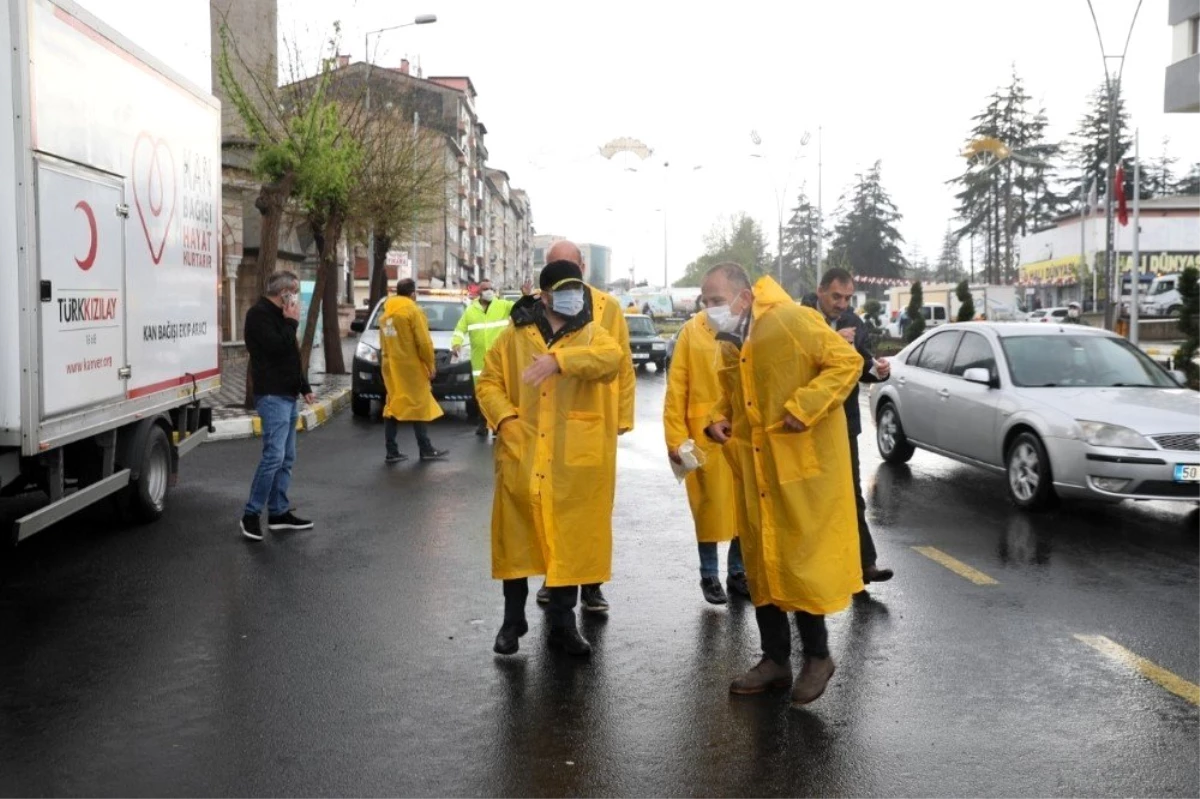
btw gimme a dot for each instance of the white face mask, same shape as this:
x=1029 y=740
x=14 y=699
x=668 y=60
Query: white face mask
x=567 y=302
x=723 y=320
x=487 y=295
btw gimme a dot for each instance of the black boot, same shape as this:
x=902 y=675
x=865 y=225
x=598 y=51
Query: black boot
x=570 y=640
x=564 y=632
x=507 y=642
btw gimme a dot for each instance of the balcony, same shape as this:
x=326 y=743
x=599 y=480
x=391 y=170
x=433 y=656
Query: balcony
x=463 y=223
x=1182 y=95
x=462 y=190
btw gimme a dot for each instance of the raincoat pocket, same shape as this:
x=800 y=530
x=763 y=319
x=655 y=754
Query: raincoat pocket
x=583 y=439
x=794 y=455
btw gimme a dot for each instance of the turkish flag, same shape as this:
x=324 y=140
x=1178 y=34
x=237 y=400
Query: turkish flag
x=1119 y=188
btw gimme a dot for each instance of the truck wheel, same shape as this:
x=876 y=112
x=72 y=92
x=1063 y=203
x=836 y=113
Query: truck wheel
x=147 y=496
x=1174 y=311
x=359 y=405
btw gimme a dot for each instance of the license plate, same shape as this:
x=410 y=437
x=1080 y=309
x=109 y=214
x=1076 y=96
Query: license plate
x=1185 y=473
x=641 y=356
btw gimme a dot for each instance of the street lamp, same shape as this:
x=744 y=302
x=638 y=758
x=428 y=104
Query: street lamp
x=423 y=19
x=780 y=193
x=1112 y=84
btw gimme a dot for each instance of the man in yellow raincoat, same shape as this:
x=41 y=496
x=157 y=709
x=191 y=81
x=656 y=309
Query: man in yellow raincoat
x=408 y=365
x=606 y=311
x=693 y=391
x=785 y=377
x=544 y=389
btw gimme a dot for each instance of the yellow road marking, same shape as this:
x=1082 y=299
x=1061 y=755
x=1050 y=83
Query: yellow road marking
x=956 y=566
x=1151 y=671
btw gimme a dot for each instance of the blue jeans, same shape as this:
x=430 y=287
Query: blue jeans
x=710 y=565
x=274 y=475
x=420 y=429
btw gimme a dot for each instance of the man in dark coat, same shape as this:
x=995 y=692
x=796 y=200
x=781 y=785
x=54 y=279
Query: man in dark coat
x=832 y=299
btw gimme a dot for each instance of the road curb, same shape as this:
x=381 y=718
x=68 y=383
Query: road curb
x=310 y=418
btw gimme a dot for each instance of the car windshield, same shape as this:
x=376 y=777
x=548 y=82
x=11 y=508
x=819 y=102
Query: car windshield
x=442 y=315
x=1074 y=361
x=640 y=326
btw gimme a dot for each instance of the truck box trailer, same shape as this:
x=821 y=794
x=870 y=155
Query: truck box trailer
x=109 y=235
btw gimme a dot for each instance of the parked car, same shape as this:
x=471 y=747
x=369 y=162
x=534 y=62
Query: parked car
x=935 y=316
x=1062 y=410
x=1056 y=314
x=645 y=342
x=453 y=381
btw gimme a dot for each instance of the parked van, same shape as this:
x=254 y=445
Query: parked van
x=1164 y=298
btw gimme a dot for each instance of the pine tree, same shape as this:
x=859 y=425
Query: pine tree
x=1158 y=177
x=1002 y=198
x=800 y=246
x=1091 y=143
x=949 y=264
x=866 y=239
x=1190 y=182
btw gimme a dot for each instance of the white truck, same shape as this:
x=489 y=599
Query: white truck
x=109 y=229
x=1163 y=297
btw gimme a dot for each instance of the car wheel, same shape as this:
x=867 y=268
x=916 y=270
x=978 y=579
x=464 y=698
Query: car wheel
x=359 y=405
x=1030 y=485
x=889 y=435
x=1174 y=311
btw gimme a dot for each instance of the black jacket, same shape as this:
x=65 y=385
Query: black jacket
x=862 y=343
x=274 y=353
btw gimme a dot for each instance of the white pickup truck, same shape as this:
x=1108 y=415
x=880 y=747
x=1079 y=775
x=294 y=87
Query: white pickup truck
x=110 y=196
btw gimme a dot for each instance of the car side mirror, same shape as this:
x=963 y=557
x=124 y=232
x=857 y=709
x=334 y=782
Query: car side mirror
x=978 y=375
x=358 y=325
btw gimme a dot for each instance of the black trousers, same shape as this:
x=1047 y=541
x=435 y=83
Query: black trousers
x=777 y=635
x=562 y=603
x=866 y=545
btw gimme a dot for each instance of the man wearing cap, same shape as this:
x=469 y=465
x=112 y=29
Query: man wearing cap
x=606 y=311
x=544 y=389
x=481 y=323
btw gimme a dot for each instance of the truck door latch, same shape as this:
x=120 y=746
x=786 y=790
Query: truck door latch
x=125 y=372
x=123 y=210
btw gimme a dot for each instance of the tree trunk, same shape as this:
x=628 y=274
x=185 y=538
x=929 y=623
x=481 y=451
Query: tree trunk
x=271 y=200
x=324 y=296
x=379 y=269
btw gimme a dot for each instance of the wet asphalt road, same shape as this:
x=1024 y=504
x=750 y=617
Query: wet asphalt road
x=178 y=659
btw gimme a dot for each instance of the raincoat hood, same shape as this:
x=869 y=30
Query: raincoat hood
x=767 y=295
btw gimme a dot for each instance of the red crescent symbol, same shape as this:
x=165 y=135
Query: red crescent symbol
x=90 y=259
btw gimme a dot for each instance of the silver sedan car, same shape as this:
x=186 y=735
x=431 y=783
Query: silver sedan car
x=1063 y=410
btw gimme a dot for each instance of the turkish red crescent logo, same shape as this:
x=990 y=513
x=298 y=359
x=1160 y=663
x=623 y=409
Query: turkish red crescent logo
x=154 y=191
x=86 y=262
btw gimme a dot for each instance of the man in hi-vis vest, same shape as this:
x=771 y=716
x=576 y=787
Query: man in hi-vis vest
x=482 y=323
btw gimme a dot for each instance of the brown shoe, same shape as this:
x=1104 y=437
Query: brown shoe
x=766 y=675
x=814 y=676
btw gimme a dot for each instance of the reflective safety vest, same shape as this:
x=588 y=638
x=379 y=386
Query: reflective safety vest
x=482 y=327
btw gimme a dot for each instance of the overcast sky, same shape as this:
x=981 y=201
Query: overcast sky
x=896 y=81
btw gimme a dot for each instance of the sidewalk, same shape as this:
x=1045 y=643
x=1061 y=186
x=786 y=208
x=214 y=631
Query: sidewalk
x=232 y=420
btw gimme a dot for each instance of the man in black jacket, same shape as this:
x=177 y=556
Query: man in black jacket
x=833 y=299
x=277 y=378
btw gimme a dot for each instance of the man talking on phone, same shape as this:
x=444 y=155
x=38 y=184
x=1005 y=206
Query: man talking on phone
x=277 y=377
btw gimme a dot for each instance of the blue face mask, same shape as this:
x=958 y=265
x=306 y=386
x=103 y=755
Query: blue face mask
x=567 y=302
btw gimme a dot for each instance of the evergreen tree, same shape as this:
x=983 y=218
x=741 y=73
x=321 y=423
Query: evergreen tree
x=1005 y=196
x=966 y=308
x=800 y=247
x=1189 y=324
x=1091 y=143
x=1158 y=176
x=866 y=239
x=916 y=319
x=1190 y=182
x=949 y=264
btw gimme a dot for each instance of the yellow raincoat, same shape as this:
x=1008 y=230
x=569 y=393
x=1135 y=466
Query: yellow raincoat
x=801 y=541
x=406 y=359
x=556 y=461
x=693 y=391
x=606 y=310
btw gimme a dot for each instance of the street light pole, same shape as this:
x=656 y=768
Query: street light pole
x=423 y=19
x=1112 y=275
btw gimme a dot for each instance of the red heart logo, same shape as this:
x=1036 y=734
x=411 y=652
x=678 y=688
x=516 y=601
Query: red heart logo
x=154 y=191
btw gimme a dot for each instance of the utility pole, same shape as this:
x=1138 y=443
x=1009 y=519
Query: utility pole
x=820 y=216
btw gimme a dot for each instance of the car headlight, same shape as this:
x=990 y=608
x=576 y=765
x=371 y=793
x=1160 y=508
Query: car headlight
x=660 y=345
x=1099 y=434
x=365 y=352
